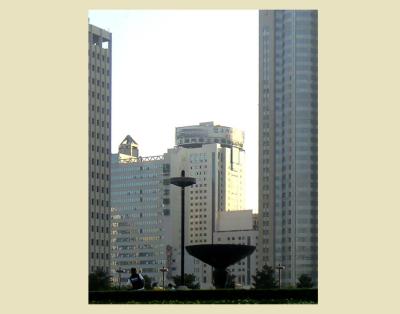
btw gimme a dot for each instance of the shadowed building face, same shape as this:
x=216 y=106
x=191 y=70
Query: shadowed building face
x=288 y=142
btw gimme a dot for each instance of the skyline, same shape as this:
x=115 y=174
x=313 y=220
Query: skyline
x=158 y=74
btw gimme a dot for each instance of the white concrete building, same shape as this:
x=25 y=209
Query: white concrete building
x=236 y=227
x=214 y=155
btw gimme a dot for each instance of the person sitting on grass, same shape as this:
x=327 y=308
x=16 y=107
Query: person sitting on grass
x=136 y=280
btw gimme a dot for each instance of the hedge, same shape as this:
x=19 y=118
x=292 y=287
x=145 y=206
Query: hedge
x=222 y=296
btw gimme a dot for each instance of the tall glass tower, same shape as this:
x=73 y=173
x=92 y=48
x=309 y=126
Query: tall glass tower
x=288 y=142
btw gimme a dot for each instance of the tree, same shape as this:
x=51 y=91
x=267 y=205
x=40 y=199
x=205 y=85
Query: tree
x=99 y=280
x=305 y=281
x=189 y=281
x=147 y=282
x=265 y=279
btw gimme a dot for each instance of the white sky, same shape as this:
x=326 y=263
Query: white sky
x=175 y=68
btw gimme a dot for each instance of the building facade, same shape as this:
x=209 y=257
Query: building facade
x=100 y=46
x=288 y=142
x=146 y=208
x=214 y=155
x=237 y=227
x=140 y=214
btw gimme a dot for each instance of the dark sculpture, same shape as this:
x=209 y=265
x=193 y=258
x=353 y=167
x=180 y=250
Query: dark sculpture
x=220 y=256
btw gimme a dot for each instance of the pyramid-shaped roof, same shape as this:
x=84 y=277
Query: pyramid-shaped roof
x=128 y=140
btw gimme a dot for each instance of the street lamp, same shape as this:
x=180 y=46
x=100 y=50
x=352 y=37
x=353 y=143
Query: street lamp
x=163 y=270
x=280 y=267
x=183 y=182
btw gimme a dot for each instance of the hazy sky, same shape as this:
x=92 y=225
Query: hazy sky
x=176 y=68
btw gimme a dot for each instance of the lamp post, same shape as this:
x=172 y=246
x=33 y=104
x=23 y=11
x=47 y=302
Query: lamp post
x=280 y=267
x=183 y=182
x=163 y=270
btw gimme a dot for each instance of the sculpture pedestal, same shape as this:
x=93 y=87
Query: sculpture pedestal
x=220 y=256
x=220 y=277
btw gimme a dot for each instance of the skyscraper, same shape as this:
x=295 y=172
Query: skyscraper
x=214 y=155
x=140 y=213
x=288 y=142
x=99 y=148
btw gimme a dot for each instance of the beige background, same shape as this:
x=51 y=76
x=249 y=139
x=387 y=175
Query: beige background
x=44 y=156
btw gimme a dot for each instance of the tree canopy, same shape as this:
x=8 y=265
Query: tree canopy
x=147 y=282
x=265 y=278
x=189 y=280
x=99 y=280
x=305 y=281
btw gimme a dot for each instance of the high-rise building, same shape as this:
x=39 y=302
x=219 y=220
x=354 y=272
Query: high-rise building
x=288 y=142
x=146 y=209
x=99 y=148
x=141 y=215
x=214 y=155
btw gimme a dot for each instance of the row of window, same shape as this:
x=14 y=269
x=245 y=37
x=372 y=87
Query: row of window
x=98 y=242
x=99 y=149
x=199 y=223
x=136 y=192
x=98 y=83
x=199 y=241
x=98 y=203
x=98 y=176
x=102 y=216
x=97 y=95
x=103 y=58
x=198 y=191
x=103 y=111
x=198 y=216
x=98 y=162
x=99 y=256
x=98 y=229
x=198 y=185
x=135 y=176
x=198 y=198
x=98 y=70
x=197 y=234
x=136 y=183
x=102 y=122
